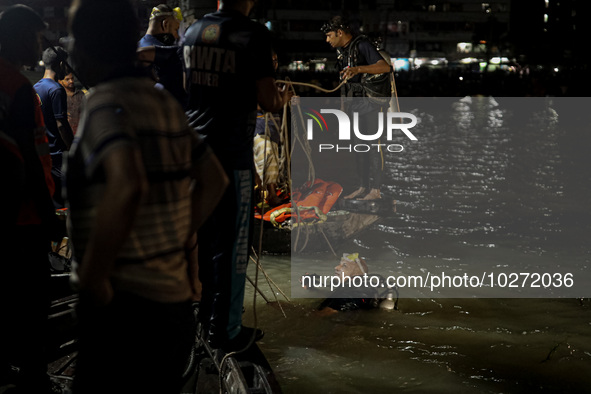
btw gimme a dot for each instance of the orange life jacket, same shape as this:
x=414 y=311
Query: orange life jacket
x=320 y=194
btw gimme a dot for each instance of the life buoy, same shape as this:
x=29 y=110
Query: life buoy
x=314 y=201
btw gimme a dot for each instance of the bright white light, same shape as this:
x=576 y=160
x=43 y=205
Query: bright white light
x=555 y=69
x=399 y=63
x=545 y=18
x=418 y=62
x=464 y=47
x=468 y=60
x=434 y=62
x=461 y=78
x=495 y=60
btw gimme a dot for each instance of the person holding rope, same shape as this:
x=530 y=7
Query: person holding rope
x=224 y=93
x=267 y=151
x=367 y=76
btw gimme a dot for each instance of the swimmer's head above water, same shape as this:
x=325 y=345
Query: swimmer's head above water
x=351 y=265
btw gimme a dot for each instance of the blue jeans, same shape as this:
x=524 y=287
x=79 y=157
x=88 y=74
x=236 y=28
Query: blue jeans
x=224 y=244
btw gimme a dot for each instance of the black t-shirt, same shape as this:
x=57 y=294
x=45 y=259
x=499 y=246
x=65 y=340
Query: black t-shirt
x=360 y=52
x=225 y=54
x=366 y=55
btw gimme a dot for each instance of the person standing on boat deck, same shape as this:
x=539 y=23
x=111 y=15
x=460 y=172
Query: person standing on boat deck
x=229 y=69
x=28 y=220
x=362 y=66
x=160 y=48
x=139 y=183
x=54 y=103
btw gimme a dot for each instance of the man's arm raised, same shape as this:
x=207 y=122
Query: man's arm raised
x=269 y=97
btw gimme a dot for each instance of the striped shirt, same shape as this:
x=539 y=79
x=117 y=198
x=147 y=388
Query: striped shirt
x=131 y=112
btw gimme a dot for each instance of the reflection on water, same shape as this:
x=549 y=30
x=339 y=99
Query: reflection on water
x=490 y=186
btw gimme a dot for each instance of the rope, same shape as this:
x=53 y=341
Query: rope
x=311 y=177
x=271 y=281
x=257 y=261
x=327 y=241
x=312 y=85
x=311 y=174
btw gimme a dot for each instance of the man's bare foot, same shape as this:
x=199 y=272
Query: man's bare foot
x=355 y=193
x=374 y=194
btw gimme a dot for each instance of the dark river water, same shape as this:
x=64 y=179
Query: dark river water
x=498 y=185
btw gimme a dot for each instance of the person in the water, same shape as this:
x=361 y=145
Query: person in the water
x=350 y=298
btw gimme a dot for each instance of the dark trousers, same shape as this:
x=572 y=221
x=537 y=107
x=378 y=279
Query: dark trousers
x=24 y=307
x=224 y=246
x=58 y=178
x=133 y=345
x=369 y=165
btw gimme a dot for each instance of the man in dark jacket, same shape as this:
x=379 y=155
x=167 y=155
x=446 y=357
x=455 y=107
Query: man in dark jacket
x=229 y=70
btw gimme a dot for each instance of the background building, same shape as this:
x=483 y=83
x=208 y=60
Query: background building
x=472 y=36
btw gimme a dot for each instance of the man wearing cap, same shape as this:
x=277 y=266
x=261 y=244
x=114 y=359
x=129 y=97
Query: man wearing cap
x=27 y=221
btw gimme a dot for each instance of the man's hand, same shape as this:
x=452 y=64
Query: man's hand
x=349 y=72
x=100 y=293
x=286 y=93
x=379 y=67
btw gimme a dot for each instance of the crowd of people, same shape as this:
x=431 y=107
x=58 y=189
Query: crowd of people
x=156 y=165
x=157 y=178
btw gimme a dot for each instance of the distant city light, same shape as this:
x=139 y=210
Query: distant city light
x=555 y=69
x=461 y=78
x=401 y=64
x=499 y=60
x=464 y=47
